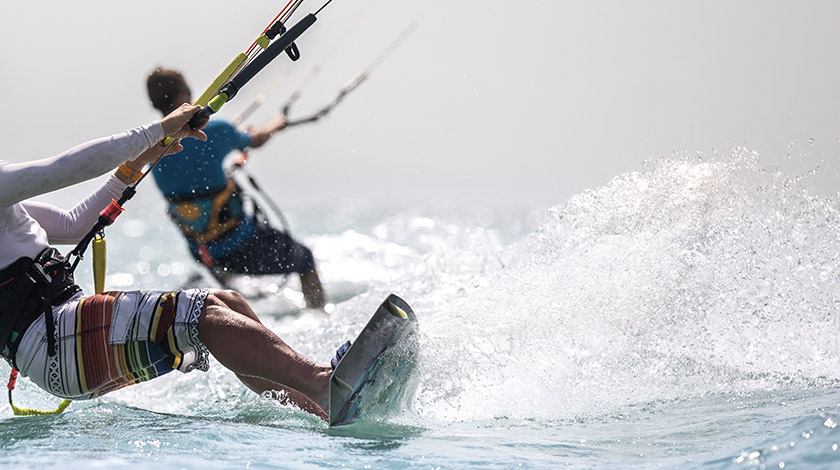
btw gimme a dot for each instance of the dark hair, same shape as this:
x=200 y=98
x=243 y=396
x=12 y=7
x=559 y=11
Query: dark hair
x=163 y=85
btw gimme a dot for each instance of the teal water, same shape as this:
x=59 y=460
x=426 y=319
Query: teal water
x=685 y=316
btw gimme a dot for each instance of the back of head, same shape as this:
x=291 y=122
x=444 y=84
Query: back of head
x=165 y=86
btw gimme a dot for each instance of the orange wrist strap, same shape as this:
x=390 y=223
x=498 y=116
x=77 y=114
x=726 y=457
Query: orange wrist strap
x=129 y=173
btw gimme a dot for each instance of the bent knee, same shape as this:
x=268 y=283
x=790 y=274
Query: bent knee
x=227 y=297
x=230 y=300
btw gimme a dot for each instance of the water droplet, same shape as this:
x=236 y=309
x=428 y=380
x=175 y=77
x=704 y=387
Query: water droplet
x=143 y=267
x=163 y=270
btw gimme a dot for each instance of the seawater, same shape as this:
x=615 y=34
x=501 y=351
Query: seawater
x=684 y=316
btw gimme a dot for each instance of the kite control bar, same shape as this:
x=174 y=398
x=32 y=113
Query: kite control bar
x=231 y=88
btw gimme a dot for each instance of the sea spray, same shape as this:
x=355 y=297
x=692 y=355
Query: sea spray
x=692 y=278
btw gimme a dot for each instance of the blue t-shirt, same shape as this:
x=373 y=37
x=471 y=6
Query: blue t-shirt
x=198 y=170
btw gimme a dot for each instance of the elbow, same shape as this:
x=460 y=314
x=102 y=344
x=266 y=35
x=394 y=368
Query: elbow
x=70 y=234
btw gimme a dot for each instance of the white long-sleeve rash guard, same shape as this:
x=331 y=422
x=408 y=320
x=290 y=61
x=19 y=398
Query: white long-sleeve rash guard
x=27 y=227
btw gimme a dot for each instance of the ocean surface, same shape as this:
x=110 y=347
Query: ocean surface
x=684 y=316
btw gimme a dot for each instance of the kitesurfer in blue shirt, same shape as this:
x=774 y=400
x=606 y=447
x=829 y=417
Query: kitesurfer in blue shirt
x=207 y=205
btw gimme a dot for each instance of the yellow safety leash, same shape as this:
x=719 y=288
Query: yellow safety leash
x=30 y=411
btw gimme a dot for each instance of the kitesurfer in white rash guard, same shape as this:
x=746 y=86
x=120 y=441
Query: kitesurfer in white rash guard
x=103 y=342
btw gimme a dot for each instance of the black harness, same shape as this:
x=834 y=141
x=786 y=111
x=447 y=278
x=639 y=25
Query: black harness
x=29 y=288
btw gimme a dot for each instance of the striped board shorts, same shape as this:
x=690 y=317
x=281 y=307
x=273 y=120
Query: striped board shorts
x=115 y=339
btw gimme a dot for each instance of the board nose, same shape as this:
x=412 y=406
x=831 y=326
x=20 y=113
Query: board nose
x=397 y=311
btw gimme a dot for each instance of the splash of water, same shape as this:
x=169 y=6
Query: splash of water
x=692 y=278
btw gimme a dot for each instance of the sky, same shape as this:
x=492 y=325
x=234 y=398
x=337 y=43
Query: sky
x=486 y=100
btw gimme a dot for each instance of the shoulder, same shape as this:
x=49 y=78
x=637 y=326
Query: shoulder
x=220 y=126
x=220 y=130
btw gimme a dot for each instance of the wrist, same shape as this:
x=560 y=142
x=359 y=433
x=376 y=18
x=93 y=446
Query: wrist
x=128 y=175
x=133 y=166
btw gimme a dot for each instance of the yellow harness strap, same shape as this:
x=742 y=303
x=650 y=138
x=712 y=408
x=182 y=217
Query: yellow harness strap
x=99 y=258
x=215 y=229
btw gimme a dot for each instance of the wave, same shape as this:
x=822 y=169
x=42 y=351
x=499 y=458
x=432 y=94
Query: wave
x=694 y=277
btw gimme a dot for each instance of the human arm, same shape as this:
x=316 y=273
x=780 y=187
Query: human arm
x=176 y=126
x=21 y=181
x=260 y=135
x=69 y=226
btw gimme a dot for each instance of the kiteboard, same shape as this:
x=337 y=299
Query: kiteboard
x=372 y=371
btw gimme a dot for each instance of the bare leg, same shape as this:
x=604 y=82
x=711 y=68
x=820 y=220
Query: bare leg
x=237 y=303
x=313 y=292
x=234 y=335
x=292 y=396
